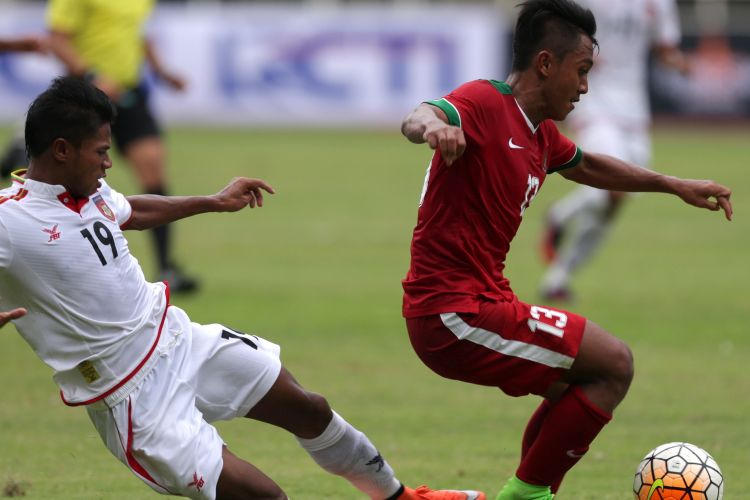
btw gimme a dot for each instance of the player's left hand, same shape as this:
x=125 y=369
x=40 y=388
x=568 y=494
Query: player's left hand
x=7 y=316
x=242 y=192
x=706 y=194
x=174 y=81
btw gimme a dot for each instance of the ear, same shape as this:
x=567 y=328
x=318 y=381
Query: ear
x=544 y=61
x=61 y=149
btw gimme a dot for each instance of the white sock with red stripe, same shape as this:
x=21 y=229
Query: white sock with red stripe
x=346 y=452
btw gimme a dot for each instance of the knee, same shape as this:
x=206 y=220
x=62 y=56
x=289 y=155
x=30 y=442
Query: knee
x=316 y=415
x=621 y=367
x=319 y=408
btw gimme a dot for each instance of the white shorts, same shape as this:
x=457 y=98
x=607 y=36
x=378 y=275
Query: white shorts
x=161 y=430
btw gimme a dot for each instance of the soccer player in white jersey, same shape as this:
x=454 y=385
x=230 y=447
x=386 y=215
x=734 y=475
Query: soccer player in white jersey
x=614 y=119
x=149 y=378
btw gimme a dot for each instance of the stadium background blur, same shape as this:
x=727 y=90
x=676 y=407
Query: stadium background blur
x=309 y=95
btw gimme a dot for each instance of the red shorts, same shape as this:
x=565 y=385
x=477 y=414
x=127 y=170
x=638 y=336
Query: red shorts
x=518 y=347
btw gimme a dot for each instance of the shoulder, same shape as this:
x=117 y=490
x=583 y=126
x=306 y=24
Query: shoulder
x=106 y=190
x=476 y=95
x=12 y=193
x=483 y=88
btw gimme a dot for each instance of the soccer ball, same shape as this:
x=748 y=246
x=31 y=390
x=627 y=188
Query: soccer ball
x=678 y=471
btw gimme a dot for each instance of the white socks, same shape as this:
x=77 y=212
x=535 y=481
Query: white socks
x=346 y=452
x=583 y=212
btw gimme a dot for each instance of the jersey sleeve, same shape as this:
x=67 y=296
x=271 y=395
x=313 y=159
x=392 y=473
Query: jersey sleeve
x=6 y=251
x=119 y=203
x=66 y=16
x=666 y=27
x=563 y=153
x=461 y=105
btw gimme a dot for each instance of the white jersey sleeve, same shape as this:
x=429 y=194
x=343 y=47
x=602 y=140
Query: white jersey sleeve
x=6 y=249
x=120 y=205
x=667 y=23
x=6 y=252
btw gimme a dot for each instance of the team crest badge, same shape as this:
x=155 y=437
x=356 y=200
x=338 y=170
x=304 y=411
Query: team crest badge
x=103 y=207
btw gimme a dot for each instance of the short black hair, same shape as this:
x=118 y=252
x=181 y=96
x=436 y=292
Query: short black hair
x=549 y=24
x=70 y=108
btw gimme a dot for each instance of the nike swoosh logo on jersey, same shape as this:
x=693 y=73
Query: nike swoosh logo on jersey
x=658 y=485
x=512 y=145
x=573 y=454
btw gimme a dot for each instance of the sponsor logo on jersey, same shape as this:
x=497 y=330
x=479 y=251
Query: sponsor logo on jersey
x=53 y=233
x=513 y=145
x=103 y=207
x=88 y=370
x=198 y=482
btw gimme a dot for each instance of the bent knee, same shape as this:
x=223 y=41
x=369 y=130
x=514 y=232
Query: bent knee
x=620 y=363
x=319 y=407
x=314 y=415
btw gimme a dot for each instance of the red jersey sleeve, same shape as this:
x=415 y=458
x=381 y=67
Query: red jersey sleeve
x=466 y=106
x=563 y=153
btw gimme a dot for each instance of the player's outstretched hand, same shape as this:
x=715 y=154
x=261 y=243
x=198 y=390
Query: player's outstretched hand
x=448 y=138
x=175 y=82
x=706 y=194
x=242 y=192
x=6 y=316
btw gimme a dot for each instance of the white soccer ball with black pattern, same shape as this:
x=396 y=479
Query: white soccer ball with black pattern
x=678 y=471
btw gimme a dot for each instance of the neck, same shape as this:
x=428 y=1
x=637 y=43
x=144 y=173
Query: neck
x=39 y=170
x=528 y=95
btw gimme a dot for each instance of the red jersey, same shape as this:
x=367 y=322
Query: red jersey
x=470 y=211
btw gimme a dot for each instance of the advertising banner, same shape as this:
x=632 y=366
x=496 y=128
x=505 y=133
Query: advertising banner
x=291 y=65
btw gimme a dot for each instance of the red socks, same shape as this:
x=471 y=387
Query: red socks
x=557 y=436
x=534 y=426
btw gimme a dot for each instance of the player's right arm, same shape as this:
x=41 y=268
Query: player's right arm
x=24 y=44
x=430 y=124
x=62 y=47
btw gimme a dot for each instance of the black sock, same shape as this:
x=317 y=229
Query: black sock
x=162 y=239
x=397 y=494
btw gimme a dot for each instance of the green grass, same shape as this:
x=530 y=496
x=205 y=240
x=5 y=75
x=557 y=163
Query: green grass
x=318 y=270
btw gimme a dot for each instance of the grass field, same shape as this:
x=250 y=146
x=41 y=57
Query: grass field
x=318 y=270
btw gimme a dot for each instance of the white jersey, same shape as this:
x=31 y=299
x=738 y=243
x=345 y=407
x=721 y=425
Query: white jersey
x=618 y=85
x=92 y=316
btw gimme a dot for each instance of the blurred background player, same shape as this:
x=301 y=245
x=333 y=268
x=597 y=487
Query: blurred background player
x=104 y=43
x=14 y=157
x=613 y=119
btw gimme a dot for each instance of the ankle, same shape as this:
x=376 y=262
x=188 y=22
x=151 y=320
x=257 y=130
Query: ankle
x=516 y=489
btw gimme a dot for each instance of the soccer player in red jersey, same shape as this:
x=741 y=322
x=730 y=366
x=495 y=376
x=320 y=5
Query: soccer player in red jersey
x=494 y=144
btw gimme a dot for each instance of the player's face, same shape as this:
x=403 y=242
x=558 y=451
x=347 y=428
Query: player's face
x=91 y=162
x=568 y=79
